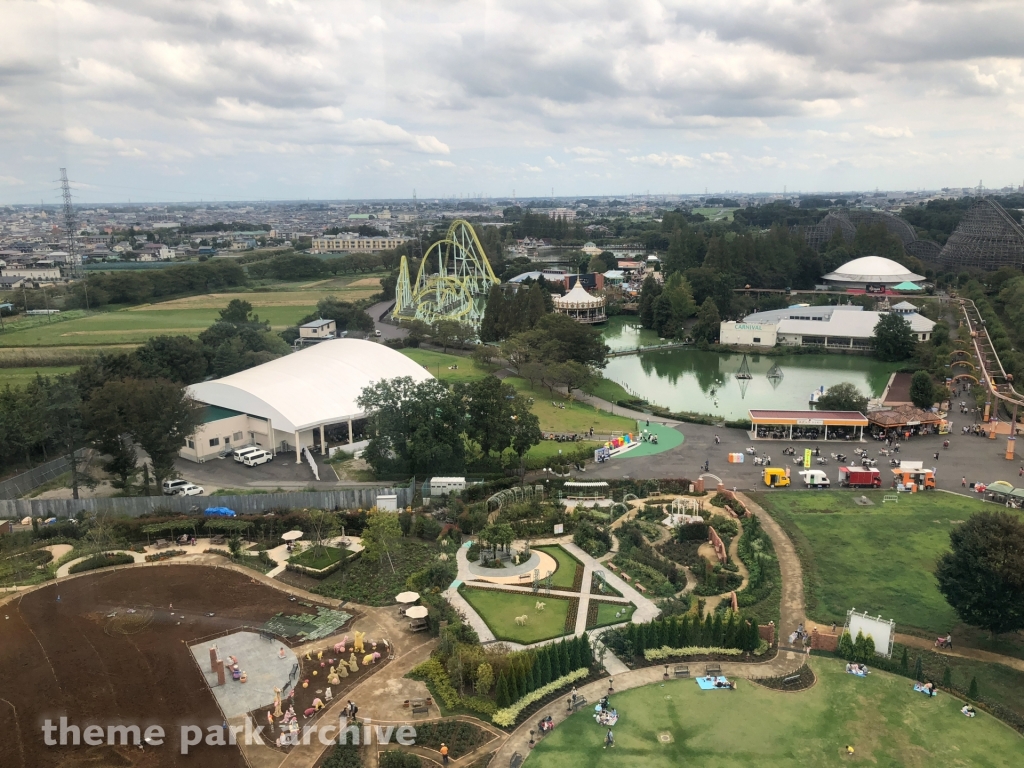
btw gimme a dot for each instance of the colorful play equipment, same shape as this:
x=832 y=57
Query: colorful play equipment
x=735 y=458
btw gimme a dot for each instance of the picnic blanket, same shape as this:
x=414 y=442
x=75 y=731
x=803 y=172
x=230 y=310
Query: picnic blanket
x=921 y=689
x=858 y=674
x=708 y=683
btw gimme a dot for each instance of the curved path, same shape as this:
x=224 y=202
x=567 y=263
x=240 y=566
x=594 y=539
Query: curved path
x=65 y=570
x=785 y=662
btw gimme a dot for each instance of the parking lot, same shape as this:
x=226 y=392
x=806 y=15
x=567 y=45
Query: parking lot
x=282 y=472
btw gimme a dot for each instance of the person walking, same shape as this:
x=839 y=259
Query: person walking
x=609 y=739
x=963 y=482
x=444 y=753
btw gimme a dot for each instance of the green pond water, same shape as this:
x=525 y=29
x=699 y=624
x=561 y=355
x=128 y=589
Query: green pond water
x=705 y=382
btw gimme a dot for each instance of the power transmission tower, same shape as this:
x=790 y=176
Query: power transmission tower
x=69 y=226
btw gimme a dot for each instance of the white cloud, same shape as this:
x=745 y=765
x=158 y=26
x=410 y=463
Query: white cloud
x=239 y=95
x=889 y=132
x=664 y=160
x=442 y=163
x=11 y=181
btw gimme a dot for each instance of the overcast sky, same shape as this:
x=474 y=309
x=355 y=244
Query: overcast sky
x=286 y=99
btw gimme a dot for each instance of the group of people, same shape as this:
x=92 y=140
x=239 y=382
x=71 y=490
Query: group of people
x=861 y=670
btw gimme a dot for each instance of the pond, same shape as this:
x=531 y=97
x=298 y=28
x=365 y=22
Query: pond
x=705 y=382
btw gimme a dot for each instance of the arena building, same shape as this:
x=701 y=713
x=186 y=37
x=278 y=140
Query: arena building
x=290 y=403
x=845 y=326
x=870 y=272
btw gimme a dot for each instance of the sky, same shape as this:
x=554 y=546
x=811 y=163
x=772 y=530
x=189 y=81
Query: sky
x=181 y=100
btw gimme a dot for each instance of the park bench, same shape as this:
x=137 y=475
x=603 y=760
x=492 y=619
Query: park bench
x=791 y=680
x=217 y=540
x=418 y=625
x=580 y=703
x=420 y=706
x=682 y=670
x=713 y=670
x=891 y=497
x=640 y=586
x=515 y=761
x=161 y=544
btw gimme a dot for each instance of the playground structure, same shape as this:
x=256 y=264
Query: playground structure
x=457 y=290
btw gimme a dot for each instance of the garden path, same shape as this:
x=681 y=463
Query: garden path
x=65 y=569
x=961 y=651
x=734 y=557
x=785 y=662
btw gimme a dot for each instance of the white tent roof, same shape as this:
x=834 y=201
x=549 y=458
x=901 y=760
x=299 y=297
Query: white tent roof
x=872 y=269
x=578 y=295
x=317 y=385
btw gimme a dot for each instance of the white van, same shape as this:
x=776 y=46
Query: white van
x=815 y=478
x=241 y=453
x=257 y=457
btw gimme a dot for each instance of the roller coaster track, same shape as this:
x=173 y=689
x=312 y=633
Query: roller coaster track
x=996 y=380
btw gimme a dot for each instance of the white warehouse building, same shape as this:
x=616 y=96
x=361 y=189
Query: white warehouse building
x=836 y=327
x=288 y=403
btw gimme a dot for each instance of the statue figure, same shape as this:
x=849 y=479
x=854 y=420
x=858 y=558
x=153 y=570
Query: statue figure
x=277 y=702
x=358 y=644
x=353 y=665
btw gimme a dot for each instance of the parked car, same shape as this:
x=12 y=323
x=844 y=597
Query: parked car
x=171 y=487
x=376 y=333
x=241 y=453
x=190 y=490
x=258 y=457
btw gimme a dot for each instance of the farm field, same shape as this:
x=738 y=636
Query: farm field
x=19 y=377
x=283 y=305
x=878 y=558
x=887 y=723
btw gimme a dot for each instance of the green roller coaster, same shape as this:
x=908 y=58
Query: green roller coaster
x=457 y=291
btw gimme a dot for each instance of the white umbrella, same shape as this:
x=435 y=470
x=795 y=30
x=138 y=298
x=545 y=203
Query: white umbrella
x=407 y=597
x=291 y=535
x=417 y=612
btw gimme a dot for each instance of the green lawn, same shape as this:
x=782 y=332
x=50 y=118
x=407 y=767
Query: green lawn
x=606 y=614
x=886 y=722
x=500 y=609
x=439 y=364
x=565 y=574
x=575 y=417
x=546 y=449
x=326 y=556
x=19 y=377
x=878 y=559
x=608 y=390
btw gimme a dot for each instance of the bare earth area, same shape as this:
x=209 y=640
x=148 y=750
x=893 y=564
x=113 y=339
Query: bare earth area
x=73 y=658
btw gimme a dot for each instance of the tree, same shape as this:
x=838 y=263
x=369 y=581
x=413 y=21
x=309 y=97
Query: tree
x=446 y=332
x=177 y=358
x=922 y=391
x=708 y=323
x=381 y=532
x=484 y=678
x=323 y=525
x=558 y=339
x=108 y=418
x=597 y=264
x=238 y=311
x=982 y=577
x=843 y=397
x=498 y=417
x=893 y=338
x=162 y=415
x=649 y=293
x=65 y=414
x=415 y=428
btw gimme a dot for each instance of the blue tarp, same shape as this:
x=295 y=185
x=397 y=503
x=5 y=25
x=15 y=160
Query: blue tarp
x=219 y=512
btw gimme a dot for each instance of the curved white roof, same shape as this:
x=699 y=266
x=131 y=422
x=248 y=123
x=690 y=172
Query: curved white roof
x=317 y=385
x=872 y=269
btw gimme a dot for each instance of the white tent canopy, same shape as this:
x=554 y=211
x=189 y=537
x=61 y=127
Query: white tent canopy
x=317 y=385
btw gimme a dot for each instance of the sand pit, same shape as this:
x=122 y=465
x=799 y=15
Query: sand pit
x=89 y=658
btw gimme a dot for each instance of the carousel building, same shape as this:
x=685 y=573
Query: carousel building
x=581 y=306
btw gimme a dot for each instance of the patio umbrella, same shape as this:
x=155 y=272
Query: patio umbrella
x=407 y=597
x=291 y=535
x=417 y=612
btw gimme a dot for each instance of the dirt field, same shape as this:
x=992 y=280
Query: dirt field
x=68 y=658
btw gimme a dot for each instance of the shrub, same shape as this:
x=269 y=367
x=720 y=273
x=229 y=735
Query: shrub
x=656 y=654
x=394 y=758
x=165 y=555
x=484 y=679
x=102 y=560
x=507 y=717
x=344 y=756
x=433 y=672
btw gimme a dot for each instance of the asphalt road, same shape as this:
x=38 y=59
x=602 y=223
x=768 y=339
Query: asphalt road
x=976 y=458
x=387 y=331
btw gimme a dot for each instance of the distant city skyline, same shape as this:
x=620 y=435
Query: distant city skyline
x=201 y=100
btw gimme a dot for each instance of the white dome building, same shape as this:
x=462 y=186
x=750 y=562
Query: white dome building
x=581 y=306
x=871 y=271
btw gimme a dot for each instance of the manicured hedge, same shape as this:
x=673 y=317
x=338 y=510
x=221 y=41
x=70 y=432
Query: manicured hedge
x=102 y=560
